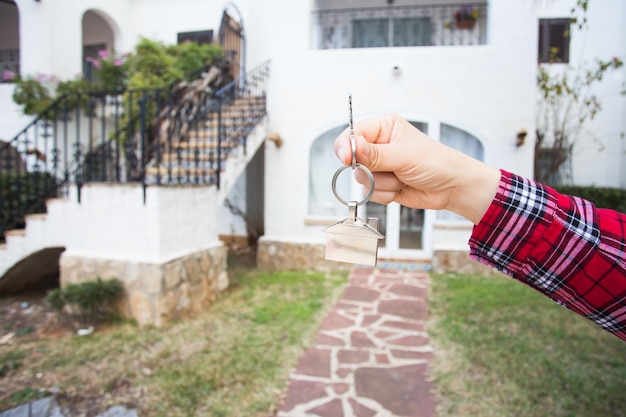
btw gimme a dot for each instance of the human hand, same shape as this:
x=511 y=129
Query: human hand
x=416 y=171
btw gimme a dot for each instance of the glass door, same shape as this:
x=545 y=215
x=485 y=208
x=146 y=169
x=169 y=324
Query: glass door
x=405 y=230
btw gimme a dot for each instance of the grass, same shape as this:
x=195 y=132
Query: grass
x=233 y=360
x=505 y=350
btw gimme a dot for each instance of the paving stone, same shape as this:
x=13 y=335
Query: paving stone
x=302 y=392
x=410 y=354
x=413 y=341
x=314 y=362
x=403 y=325
x=352 y=356
x=360 y=339
x=382 y=358
x=340 y=388
x=326 y=340
x=342 y=373
x=118 y=411
x=332 y=408
x=360 y=410
x=403 y=390
x=369 y=319
x=360 y=294
x=43 y=407
x=336 y=321
x=384 y=335
x=408 y=309
x=408 y=290
x=345 y=307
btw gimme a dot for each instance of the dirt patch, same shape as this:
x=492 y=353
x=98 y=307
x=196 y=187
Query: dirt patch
x=27 y=317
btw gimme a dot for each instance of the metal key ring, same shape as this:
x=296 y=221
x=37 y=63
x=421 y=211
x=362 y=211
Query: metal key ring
x=355 y=166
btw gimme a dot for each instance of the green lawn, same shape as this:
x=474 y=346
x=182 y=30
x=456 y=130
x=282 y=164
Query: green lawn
x=233 y=360
x=505 y=350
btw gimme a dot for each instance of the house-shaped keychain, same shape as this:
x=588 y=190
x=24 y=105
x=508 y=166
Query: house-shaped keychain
x=353 y=240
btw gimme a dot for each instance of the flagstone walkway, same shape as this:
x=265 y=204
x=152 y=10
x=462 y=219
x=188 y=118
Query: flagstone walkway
x=371 y=355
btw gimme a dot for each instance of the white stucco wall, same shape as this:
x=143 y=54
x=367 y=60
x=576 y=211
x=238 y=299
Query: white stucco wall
x=487 y=90
x=12 y=120
x=599 y=152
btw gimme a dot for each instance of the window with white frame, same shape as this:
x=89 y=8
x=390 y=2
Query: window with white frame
x=464 y=142
x=323 y=163
x=382 y=32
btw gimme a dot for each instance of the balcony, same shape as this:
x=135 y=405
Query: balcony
x=401 y=26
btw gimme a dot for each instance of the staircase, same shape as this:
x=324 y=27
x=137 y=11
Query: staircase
x=201 y=157
x=73 y=157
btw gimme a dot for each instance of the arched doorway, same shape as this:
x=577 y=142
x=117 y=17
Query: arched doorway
x=9 y=41
x=98 y=35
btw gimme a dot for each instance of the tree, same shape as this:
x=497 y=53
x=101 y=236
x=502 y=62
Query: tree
x=566 y=103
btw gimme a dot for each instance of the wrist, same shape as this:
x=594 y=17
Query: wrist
x=477 y=186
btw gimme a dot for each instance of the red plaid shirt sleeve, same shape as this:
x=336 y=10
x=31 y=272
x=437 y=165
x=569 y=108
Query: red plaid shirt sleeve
x=562 y=246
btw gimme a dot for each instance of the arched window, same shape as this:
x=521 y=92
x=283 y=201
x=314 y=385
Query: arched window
x=464 y=142
x=323 y=164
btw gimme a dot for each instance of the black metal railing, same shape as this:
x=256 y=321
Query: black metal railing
x=198 y=154
x=148 y=136
x=397 y=26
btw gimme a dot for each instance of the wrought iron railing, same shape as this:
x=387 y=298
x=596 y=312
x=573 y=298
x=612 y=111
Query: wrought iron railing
x=148 y=136
x=196 y=155
x=397 y=26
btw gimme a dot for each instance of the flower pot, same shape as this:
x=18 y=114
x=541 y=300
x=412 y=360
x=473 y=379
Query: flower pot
x=465 y=24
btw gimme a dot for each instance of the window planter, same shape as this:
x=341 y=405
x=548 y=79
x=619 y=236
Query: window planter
x=465 y=24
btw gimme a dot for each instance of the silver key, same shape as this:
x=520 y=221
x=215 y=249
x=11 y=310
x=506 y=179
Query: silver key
x=353 y=240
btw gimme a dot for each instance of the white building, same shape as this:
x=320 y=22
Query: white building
x=471 y=87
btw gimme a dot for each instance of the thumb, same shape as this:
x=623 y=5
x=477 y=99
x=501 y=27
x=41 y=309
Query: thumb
x=374 y=156
x=379 y=157
x=378 y=144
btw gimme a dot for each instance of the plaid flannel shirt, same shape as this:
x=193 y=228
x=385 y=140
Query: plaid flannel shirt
x=562 y=246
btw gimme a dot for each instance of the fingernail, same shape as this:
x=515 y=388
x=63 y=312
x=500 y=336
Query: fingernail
x=341 y=154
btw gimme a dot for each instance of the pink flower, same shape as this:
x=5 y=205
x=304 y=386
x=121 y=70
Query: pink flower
x=103 y=53
x=118 y=62
x=96 y=63
x=8 y=75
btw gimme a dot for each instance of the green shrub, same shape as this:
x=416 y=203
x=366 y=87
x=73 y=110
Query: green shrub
x=602 y=197
x=152 y=64
x=85 y=303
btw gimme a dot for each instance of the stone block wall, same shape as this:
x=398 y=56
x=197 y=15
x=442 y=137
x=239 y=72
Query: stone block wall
x=156 y=293
x=276 y=255
x=458 y=261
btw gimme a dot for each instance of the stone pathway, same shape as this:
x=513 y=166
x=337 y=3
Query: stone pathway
x=371 y=355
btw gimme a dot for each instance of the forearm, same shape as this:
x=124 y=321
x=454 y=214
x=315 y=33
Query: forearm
x=561 y=246
x=477 y=187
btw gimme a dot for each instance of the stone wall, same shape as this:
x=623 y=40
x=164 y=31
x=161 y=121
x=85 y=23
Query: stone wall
x=276 y=255
x=156 y=293
x=458 y=261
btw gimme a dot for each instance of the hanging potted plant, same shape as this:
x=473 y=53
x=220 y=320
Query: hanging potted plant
x=466 y=17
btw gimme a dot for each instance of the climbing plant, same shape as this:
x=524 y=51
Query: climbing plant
x=567 y=102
